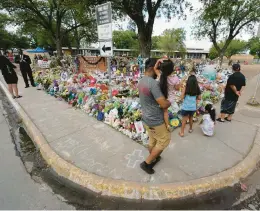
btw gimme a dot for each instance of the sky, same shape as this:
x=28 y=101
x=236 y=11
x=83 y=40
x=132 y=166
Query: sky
x=161 y=24
x=186 y=24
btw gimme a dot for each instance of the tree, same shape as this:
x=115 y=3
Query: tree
x=172 y=40
x=131 y=26
x=125 y=39
x=213 y=54
x=254 y=46
x=55 y=16
x=20 y=42
x=144 y=12
x=87 y=32
x=5 y=38
x=155 y=42
x=224 y=20
x=37 y=35
x=10 y=40
x=236 y=46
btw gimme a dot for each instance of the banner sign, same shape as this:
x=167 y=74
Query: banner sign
x=92 y=63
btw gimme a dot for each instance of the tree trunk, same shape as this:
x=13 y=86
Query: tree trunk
x=145 y=41
x=77 y=39
x=59 y=37
x=77 y=45
x=221 y=57
x=59 y=47
x=229 y=61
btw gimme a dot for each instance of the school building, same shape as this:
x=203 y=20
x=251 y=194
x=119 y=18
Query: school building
x=191 y=53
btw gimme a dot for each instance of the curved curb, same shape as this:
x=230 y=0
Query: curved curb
x=133 y=190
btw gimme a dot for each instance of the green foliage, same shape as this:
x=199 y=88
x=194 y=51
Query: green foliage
x=58 y=18
x=173 y=40
x=254 y=46
x=213 y=54
x=224 y=20
x=10 y=40
x=155 y=42
x=236 y=46
x=143 y=14
x=125 y=40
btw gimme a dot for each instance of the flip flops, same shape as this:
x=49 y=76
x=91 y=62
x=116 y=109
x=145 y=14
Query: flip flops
x=16 y=97
x=227 y=119
x=220 y=120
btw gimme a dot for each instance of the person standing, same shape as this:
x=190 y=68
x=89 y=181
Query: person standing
x=153 y=103
x=26 y=70
x=190 y=95
x=9 y=75
x=233 y=90
x=140 y=63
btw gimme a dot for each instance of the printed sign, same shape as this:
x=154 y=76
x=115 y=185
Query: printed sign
x=139 y=127
x=104 y=21
x=44 y=64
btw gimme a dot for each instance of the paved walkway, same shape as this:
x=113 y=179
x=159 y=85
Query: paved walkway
x=98 y=148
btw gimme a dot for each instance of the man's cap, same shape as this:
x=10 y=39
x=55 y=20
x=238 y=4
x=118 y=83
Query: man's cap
x=236 y=66
x=150 y=63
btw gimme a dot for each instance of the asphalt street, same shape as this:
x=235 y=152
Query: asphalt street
x=17 y=189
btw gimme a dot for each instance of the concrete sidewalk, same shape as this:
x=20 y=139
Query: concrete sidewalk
x=99 y=149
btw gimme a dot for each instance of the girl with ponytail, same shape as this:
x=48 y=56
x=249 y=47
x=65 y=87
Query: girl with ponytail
x=208 y=121
x=163 y=69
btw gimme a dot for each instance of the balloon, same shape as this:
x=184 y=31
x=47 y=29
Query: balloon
x=115 y=92
x=93 y=81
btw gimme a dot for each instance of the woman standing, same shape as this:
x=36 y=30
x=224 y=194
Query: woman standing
x=10 y=76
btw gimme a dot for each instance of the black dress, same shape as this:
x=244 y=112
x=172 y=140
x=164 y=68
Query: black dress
x=7 y=69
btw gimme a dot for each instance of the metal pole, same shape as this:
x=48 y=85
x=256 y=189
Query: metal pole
x=109 y=73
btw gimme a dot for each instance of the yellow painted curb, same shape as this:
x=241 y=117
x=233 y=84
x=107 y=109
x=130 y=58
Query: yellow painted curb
x=134 y=190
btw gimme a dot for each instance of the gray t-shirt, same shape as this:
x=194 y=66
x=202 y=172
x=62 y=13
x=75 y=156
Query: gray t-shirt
x=149 y=91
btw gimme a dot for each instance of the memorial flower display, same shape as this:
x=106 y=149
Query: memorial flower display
x=116 y=102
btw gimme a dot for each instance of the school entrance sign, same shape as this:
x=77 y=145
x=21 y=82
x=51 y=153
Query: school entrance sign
x=104 y=21
x=105 y=35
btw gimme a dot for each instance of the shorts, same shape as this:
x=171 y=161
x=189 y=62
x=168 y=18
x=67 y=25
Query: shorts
x=187 y=113
x=228 y=107
x=159 y=137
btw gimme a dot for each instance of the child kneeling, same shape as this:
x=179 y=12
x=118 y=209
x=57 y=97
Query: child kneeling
x=208 y=120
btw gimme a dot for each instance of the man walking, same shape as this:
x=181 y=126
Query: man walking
x=26 y=70
x=153 y=102
x=233 y=90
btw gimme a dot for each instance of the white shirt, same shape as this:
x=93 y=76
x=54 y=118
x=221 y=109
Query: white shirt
x=22 y=59
x=207 y=125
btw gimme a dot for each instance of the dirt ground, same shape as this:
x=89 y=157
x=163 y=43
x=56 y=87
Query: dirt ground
x=249 y=70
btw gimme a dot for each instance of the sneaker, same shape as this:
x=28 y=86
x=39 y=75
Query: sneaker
x=27 y=86
x=147 y=168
